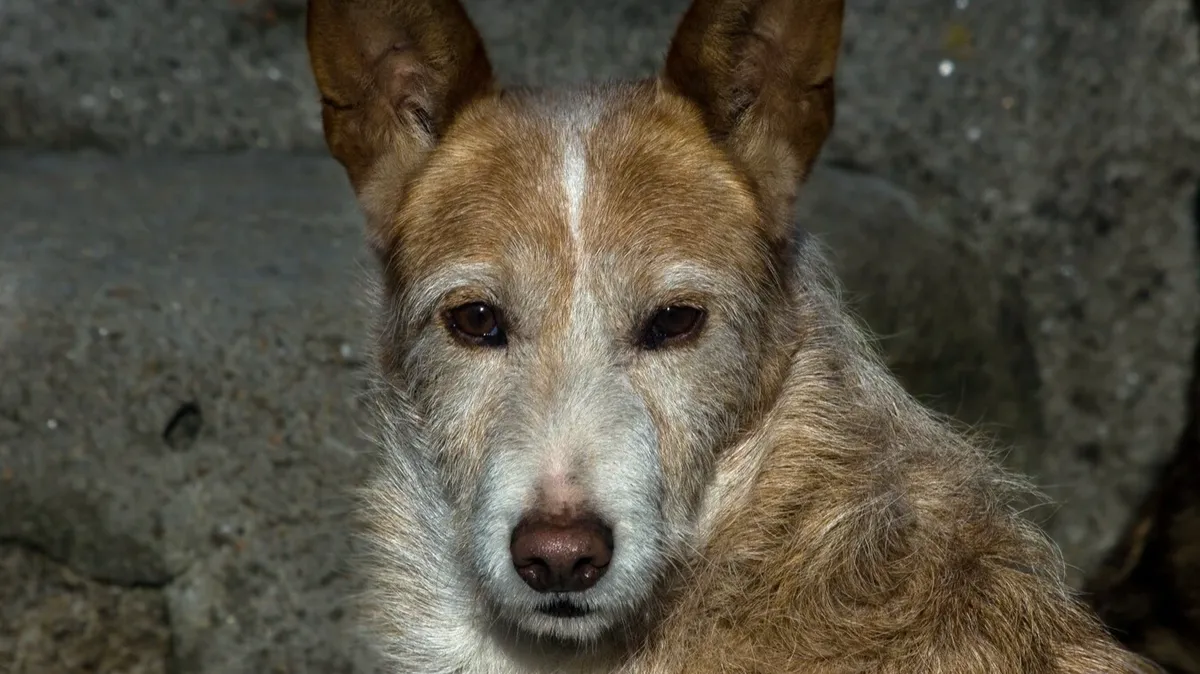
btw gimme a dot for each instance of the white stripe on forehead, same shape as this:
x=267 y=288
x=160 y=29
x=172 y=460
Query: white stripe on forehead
x=574 y=115
x=575 y=181
x=577 y=118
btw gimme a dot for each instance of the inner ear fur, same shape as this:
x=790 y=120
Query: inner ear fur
x=761 y=72
x=392 y=75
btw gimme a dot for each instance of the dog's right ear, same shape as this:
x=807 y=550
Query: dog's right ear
x=392 y=76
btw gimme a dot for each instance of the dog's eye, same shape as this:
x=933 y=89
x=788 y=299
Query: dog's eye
x=476 y=323
x=672 y=325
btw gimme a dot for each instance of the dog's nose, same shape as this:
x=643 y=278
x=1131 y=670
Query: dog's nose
x=561 y=556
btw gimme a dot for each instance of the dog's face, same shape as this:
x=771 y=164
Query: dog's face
x=581 y=291
x=585 y=290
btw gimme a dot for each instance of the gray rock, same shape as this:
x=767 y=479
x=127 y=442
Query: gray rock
x=53 y=620
x=946 y=322
x=1064 y=145
x=204 y=75
x=155 y=73
x=130 y=288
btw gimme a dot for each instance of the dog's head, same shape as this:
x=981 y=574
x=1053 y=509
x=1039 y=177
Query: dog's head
x=585 y=291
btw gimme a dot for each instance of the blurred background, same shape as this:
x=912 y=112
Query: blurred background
x=1011 y=197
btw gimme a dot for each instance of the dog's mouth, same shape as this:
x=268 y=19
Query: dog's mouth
x=562 y=608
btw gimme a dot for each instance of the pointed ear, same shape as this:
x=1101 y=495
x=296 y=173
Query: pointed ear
x=392 y=76
x=762 y=73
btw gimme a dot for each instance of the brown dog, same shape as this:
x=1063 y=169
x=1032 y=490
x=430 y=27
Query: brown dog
x=627 y=423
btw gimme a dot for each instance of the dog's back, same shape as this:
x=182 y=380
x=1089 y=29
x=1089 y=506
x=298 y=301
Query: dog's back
x=628 y=425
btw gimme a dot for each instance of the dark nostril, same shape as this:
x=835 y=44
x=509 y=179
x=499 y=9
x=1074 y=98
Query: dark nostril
x=561 y=554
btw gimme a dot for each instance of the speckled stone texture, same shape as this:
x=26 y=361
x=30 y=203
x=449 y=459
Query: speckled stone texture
x=64 y=622
x=1008 y=195
x=132 y=290
x=1065 y=145
x=228 y=74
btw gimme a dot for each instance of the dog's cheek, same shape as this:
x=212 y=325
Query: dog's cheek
x=464 y=394
x=686 y=464
x=692 y=398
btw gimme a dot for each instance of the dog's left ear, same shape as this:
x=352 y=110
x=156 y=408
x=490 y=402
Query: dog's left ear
x=761 y=71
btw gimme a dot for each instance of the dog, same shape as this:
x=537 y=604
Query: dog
x=626 y=422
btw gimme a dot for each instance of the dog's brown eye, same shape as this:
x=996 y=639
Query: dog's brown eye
x=672 y=325
x=476 y=323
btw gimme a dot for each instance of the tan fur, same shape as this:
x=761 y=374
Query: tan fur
x=778 y=503
x=906 y=557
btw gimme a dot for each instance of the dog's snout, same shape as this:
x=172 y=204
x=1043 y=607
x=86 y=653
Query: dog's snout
x=561 y=555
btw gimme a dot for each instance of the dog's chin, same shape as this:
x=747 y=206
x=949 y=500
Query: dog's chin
x=566 y=620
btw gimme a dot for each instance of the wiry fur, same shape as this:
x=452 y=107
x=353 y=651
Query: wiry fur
x=778 y=503
x=861 y=533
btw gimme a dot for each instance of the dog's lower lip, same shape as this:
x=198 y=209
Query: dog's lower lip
x=563 y=609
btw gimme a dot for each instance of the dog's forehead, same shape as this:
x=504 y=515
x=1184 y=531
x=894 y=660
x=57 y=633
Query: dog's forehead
x=627 y=175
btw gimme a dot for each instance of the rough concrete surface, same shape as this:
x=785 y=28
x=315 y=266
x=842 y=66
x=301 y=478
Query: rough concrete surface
x=62 y=622
x=1008 y=195
x=1064 y=144
x=1147 y=591
x=221 y=74
x=132 y=290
